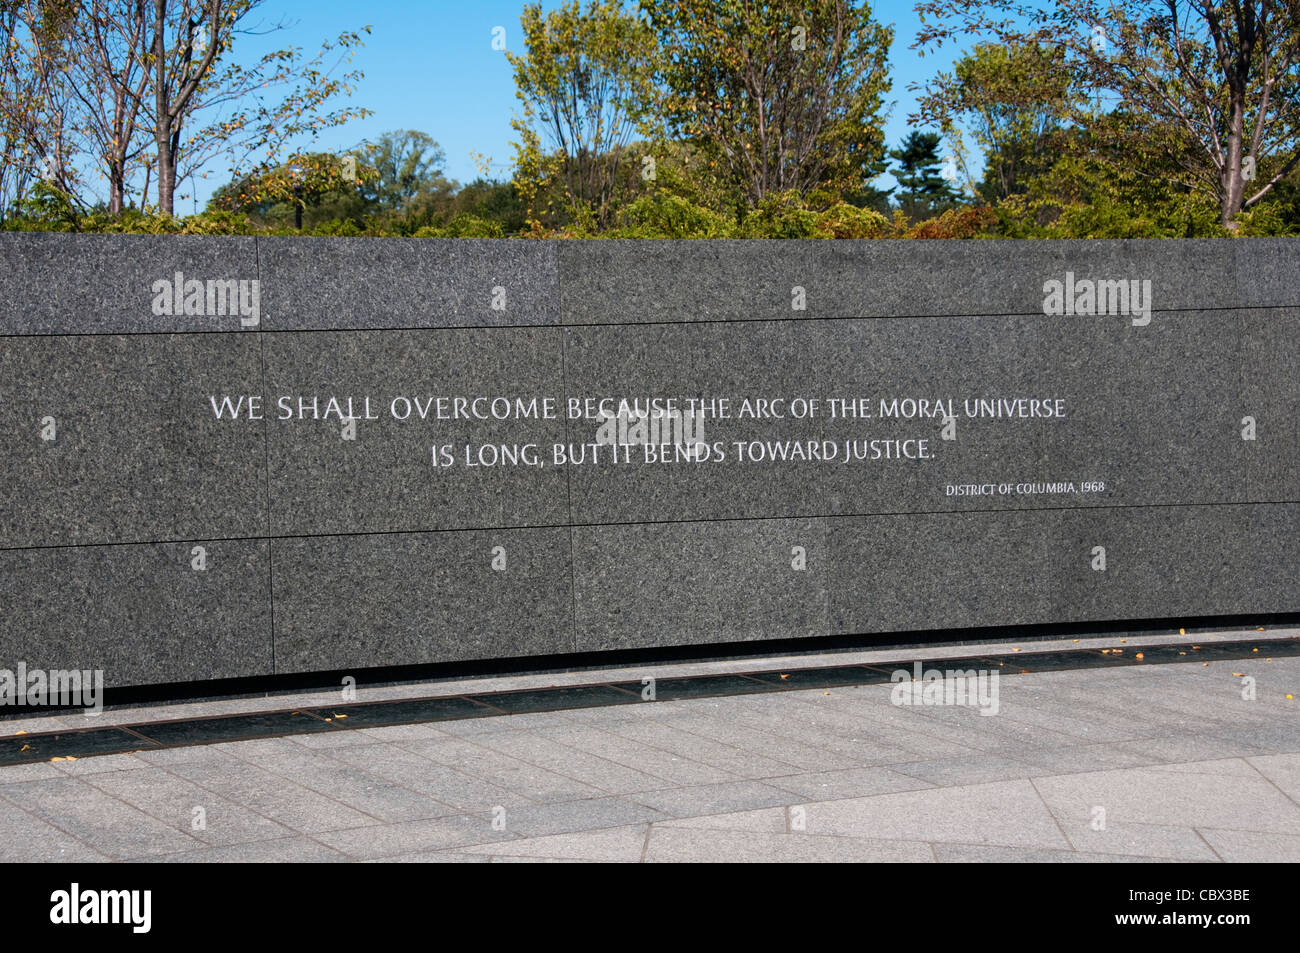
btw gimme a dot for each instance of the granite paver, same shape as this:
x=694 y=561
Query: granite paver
x=1167 y=762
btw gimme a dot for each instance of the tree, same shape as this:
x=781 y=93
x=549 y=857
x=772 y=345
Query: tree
x=108 y=60
x=1219 y=82
x=924 y=190
x=491 y=201
x=785 y=95
x=1091 y=190
x=585 y=81
x=300 y=181
x=1015 y=101
x=407 y=164
x=197 y=85
x=35 y=94
x=120 y=86
x=869 y=196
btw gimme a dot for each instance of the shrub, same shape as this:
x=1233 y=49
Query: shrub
x=842 y=220
x=780 y=215
x=465 y=225
x=663 y=215
x=955 y=223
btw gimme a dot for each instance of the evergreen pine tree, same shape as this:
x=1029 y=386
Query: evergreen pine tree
x=924 y=192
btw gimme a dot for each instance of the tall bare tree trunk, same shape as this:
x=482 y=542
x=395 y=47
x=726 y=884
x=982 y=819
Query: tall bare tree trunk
x=1233 y=186
x=163 y=139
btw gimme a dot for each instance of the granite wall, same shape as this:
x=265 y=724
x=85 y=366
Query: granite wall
x=223 y=457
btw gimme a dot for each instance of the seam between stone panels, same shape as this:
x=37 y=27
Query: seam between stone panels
x=1216 y=309
x=828 y=599
x=266 y=444
x=1243 y=450
x=663 y=522
x=568 y=471
x=1241 y=370
x=1244 y=476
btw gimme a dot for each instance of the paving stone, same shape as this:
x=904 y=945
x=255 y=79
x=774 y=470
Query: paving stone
x=506 y=859
x=715 y=798
x=432 y=857
x=792 y=751
x=1141 y=840
x=968 y=854
x=1079 y=758
x=849 y=782
x=540 y=819
x=1144 y=796
x=1252 y=847
x=390 y=840
x=1272 y=738
x=106 y=824
x=173 y=800
x=280 y=850
x=1008 y=813
x=379 y=797
x=951 y=772
x=768 y=820
x=1186 y=770
x=394 y=733
x=525 y=780
x=601 y=773
x=39 y=723
x=673 y=769
x=270 y=795
x=737 y=761
x=465 y=792
x=25 y=839
x=611 y=845
x=1230 y=767
x=40 y=771
x=186 y=755
x=677 y=845
x=1282 y=769
x=100 y=765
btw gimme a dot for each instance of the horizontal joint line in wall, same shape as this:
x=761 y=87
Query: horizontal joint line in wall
x=634 y=323
x=661 y=522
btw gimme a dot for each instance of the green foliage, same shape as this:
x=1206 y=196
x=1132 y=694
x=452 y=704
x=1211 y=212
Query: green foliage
x=302 y=180
x=954 y=223
x=1017 y=99
x=843 y=220
x=1208 y=89
x=924 y=190
x=148 y=98
x=783 y=96
x=47 y=209
x=586 y=84
x=1081 y=196
x=494 y=201
x=780 y=215
x=661 y=214
x=404 y=194
x=336 y=228
x=729 y=119
x=1267 y=219
x=466 y=225
x=1284 y=200
x=407 y=167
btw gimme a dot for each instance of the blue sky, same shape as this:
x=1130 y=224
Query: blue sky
x=429 y=65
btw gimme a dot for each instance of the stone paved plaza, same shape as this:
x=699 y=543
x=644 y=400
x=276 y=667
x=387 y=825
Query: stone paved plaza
x=1162 y=762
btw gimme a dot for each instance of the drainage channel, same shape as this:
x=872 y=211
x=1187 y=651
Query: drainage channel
x=157 y=735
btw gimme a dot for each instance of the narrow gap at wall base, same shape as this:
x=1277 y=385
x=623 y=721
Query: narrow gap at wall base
x=285 y=684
